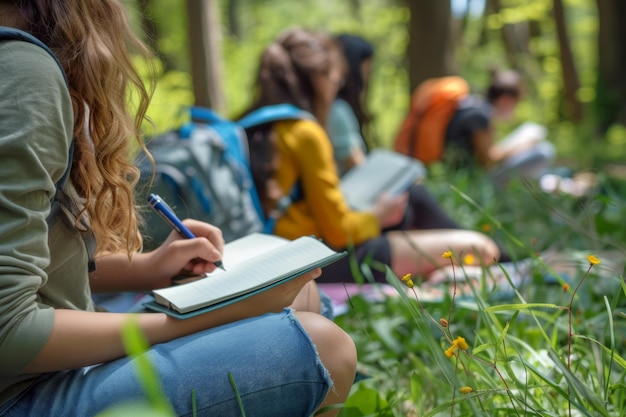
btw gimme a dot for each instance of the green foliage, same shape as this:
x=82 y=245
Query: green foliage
x=517 y=363
x=384 y=23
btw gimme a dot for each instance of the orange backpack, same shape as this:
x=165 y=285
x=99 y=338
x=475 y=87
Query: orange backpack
x=433 y=104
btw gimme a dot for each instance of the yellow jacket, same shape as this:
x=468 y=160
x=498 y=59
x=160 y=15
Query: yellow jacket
x=306 y=155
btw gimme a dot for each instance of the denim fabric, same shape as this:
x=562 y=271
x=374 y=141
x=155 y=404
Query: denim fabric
x=273 y=361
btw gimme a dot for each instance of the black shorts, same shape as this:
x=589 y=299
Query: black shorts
x=374 y=254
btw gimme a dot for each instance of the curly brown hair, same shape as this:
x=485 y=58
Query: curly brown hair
x=96 y=49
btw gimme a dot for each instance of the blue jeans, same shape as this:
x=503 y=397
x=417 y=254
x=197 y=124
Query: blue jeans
x=273 y=361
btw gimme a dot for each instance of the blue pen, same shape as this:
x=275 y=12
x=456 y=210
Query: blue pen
x=165 y=211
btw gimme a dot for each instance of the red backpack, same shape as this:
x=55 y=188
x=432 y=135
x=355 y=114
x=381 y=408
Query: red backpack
x=433 y=104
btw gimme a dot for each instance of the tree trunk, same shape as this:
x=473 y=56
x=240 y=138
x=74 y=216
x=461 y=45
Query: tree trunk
x=610 y=101
x=571 y=82
x=234 y=27
x=205 y=53
x=430 y=53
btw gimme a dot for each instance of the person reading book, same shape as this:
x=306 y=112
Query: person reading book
x=349 y=123
x=446 y=123
x=348 y=126
x=306 y=69
x=60 y=354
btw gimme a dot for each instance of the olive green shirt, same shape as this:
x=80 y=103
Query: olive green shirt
x=39 y=270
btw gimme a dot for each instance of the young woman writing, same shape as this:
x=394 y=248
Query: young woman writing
x=59 y=354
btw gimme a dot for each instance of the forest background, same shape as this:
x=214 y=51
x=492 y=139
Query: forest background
x=572 y=54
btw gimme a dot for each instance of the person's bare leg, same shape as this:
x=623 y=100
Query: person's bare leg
x=337 y=352
x=308 y=299
x=419 y=252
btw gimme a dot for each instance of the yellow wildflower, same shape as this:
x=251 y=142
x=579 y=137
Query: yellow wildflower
x=460 y=343
x=466 y=390
x=406 y=277
x=593 y=260
x=409 y=283
x=447 y=254
x=469 y=259
x=450 y=351
x=443 y=322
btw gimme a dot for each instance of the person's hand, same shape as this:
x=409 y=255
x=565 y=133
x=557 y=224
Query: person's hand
x=195 y=256
x=390 y=210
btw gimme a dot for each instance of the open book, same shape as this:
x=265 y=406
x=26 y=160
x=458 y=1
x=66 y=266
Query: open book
x=382 y=171
x=523 y=137
x=253 y=264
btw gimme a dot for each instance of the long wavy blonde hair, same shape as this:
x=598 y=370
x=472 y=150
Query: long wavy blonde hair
x=96 y=46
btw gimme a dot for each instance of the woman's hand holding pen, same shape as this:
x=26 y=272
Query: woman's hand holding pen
x=155 y=269
x=197 y=255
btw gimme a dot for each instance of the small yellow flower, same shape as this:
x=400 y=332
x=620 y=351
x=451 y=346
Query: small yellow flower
x=593 y=260
x=406 y=277
x=450 y=351
x=447 y=254
x=443 y=322
x=460 y=343
x=409 y=283
x=466 y=390
x=469 y=259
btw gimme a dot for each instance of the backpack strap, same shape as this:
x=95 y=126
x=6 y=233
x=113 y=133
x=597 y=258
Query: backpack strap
x=60 y=198
x=273 y=113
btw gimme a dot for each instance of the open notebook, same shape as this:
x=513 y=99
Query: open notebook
x=382 y=171
x=253 y=264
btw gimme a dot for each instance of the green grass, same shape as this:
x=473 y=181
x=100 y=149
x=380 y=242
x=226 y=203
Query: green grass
x=521 y=359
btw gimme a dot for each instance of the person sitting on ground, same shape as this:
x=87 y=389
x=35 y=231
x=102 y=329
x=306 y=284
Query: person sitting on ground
x=305 y=69
x=60 y=354
x=447 y=123
x=348 y=121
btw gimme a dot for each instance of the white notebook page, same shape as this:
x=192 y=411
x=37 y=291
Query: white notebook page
x=281 y=262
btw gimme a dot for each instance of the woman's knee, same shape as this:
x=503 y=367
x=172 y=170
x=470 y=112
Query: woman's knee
x=335 y=347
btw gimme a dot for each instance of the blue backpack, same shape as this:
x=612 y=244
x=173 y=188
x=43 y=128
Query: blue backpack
x=203 y=172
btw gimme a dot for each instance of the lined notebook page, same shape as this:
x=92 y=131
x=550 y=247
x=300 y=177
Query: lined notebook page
x=284 y=261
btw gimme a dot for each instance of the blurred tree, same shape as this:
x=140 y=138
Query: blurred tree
x=571 y=82
x=611 y=84
x=205 y=53
x=430 y=49
x=232 y=12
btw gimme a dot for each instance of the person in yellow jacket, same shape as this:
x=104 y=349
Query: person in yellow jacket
x=306 y=69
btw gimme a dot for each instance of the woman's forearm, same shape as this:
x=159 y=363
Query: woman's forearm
x=80 y=338
x=116 y=272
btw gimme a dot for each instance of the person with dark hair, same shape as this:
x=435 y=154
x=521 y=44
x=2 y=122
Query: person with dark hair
x=306 y=69
x=67 y=78
x=446 y=123
x=348 y=122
